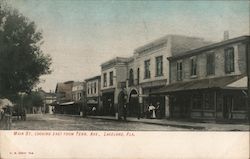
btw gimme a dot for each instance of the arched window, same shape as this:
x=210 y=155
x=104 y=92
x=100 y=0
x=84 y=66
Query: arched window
x=131 y=77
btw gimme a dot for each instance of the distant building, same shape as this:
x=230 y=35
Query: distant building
x=93 y=94
x=64 y=92
x=49 y=102
x=78 y=96
x=209 y=82
x=64 y=101
x=78 y=91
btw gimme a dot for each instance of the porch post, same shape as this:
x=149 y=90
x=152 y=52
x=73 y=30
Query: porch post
x=248 y=77
x=215 y=104
x=202 y=104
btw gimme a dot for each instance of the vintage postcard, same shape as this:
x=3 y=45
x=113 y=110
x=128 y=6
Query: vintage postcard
x=124 y=79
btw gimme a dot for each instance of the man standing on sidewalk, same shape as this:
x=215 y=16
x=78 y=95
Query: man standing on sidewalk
x=125 y=112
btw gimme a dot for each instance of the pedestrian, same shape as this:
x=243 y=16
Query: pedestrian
x=125 y=112
x=94 y=110
x=7 y=118
x=152 y=111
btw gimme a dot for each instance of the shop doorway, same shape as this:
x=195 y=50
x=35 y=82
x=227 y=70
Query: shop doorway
x=227 y=107
x=108 y=104
x=133 y=106
x=121 y=102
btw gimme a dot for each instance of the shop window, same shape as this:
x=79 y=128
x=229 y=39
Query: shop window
x=197 y=101
x=209 y=101
x=159 y=66
x=193 y=66
x=95 y=87
x=240 y=103
x=210 y=64
x=111 y=76
x=146 y=69
x=91 y=89
x=179 y=70
x=229 y=60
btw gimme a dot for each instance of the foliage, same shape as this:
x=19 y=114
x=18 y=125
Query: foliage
x=34 y=99
x=22 y=61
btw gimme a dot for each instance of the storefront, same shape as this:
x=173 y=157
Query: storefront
x=154 y=99
x=108 y=103
x=213 y=99
x=71 y=108
x=93 y=102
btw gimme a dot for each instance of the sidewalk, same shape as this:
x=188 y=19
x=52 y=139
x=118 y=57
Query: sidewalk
x=184 y=124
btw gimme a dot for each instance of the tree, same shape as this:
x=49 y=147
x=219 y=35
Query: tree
x=34 y=99
x=22 y=61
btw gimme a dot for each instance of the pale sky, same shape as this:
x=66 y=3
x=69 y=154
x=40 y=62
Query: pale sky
x=80 y=35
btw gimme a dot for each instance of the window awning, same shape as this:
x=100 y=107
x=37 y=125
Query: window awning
x=219 y=82
x=92 y=101
x=67 y=103
x=241 y=83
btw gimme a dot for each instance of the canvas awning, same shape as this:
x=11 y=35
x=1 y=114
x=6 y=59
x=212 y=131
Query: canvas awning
x=67 y=103
x=220 y=82
x=241 y=83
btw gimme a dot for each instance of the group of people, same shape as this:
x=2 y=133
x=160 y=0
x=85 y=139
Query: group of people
x=151 y=113
x=5 y=116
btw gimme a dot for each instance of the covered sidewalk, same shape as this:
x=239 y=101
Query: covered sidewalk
x=220 y=98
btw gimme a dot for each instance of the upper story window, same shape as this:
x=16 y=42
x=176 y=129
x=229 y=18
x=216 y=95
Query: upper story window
x=91 y=88
x=111 y=76
x=193 y=66
x=131 y=77
x=159 y=66
x=179 y=70
x=95 y=87
x=146 y=69
x=88 y=89
x=229 y=60
x=210 y=64
x=105 y=80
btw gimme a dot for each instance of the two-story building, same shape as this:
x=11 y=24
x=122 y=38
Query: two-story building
x=78 y=95
x=64 y=97
x=113 y=81
x=209 y=82
x=148 y=71
x=93 y=94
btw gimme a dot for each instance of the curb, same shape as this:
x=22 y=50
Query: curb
x=145 y=122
